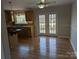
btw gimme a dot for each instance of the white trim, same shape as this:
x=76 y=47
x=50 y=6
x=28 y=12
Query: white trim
x=63 y=36
x=73 y=48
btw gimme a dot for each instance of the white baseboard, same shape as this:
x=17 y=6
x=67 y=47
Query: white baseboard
x=63 y=36
x=73 y=48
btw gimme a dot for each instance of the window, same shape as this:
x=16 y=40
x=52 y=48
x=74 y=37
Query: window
x=47 y=25
x=52 y=23
x=19 y=18
x=42 y=23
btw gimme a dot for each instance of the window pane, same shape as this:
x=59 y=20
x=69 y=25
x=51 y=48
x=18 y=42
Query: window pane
x=52 y=23
x=42 y=23
x=20 y=19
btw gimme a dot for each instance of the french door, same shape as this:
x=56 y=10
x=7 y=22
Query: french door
x=42 y=28
x=50 y=25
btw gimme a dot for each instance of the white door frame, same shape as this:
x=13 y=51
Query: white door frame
x=4 y=37
x=46 y=25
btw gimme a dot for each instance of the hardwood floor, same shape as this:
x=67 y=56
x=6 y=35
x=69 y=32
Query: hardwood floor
x=43 y=48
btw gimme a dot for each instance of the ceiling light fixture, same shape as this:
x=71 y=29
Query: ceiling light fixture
x=43 y=1
x=41 y=5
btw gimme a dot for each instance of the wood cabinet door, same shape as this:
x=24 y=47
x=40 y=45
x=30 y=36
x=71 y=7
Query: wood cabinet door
x=8 y=16
x=29 y=16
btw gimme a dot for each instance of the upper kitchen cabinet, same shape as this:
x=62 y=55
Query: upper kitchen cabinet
x=29 y=15
x=19 y=17
x=8 y=16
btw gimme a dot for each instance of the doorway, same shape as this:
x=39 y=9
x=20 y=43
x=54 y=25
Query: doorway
x=47 y=26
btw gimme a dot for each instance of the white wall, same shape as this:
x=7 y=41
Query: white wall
x=2 y=52
x=5 y=52
x=63 y=13
x=74 y=27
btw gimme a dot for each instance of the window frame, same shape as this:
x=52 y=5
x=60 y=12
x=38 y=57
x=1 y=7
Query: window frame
x=18 y=13
x=52 y=23
x=41 y=32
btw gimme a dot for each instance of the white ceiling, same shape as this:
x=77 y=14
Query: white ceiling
x=24 y=4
